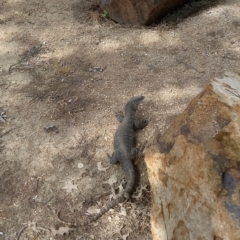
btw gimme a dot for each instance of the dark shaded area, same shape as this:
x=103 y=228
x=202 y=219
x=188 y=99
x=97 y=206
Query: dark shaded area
x=12 y=183
x=185 y=130
x=222 y=121
x=222 y=162
x=88 y=10
x=217 y=238
x=191 y=109
x=229 y=182
x=233 y=209
x=147 y=12
x=64 y=87
x=188 y=10
x=165 y=147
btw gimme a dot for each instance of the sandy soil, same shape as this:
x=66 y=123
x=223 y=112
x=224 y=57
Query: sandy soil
x=64 y=72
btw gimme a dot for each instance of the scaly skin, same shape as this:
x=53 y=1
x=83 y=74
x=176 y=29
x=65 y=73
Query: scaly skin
x=124 y=152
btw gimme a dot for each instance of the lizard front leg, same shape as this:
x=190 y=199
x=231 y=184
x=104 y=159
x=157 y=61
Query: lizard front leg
x=140 y=124
x=119 y=116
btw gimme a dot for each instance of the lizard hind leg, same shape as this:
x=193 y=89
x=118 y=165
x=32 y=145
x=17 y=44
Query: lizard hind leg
x=115 y=158
x=133 y=154
x=140 y=124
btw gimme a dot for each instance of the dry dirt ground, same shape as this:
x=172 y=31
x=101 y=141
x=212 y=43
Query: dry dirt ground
x=64 y=71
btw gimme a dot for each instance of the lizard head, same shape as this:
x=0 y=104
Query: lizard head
x=134 y=102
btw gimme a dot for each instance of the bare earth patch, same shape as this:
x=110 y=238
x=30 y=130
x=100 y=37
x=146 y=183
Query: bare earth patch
x=64 y=72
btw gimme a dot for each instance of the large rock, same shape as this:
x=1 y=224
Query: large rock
x=138 y=11
x=194 y=168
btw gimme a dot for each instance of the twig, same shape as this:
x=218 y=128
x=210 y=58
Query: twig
x=20 y=232
x=26 y=56
x=43 y=229
x=8 y=131
x=35 y=227
x=37 y=182
x=2 y=119
x=64 y=221
x=228 y=56
x=189 y=66
x=15 y=64
x=47 y=201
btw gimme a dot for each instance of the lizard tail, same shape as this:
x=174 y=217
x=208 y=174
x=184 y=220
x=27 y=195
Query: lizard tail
x=124 y=196
x=105 y=209
x=129 y=169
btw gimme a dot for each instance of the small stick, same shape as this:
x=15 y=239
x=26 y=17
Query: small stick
x=21 y=231
x=64 y=221
x=10 y=68
x=8 y=131
x=48 y=200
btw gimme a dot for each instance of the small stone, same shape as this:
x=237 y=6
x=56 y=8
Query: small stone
x=80 y=165
x=96 y=69
x=51 y=128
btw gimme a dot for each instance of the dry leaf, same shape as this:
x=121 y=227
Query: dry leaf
x=100 y=167
x=123 y=211
x=69 y=186
x=140 y=191
x=111 y=180
x=61 y=231
x=93 y=210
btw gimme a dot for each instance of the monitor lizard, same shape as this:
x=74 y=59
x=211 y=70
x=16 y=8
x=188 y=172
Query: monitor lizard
x=124 y=153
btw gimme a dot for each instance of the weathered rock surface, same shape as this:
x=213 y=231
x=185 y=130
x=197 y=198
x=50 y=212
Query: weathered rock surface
x=138 y=11
x=194 y=168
